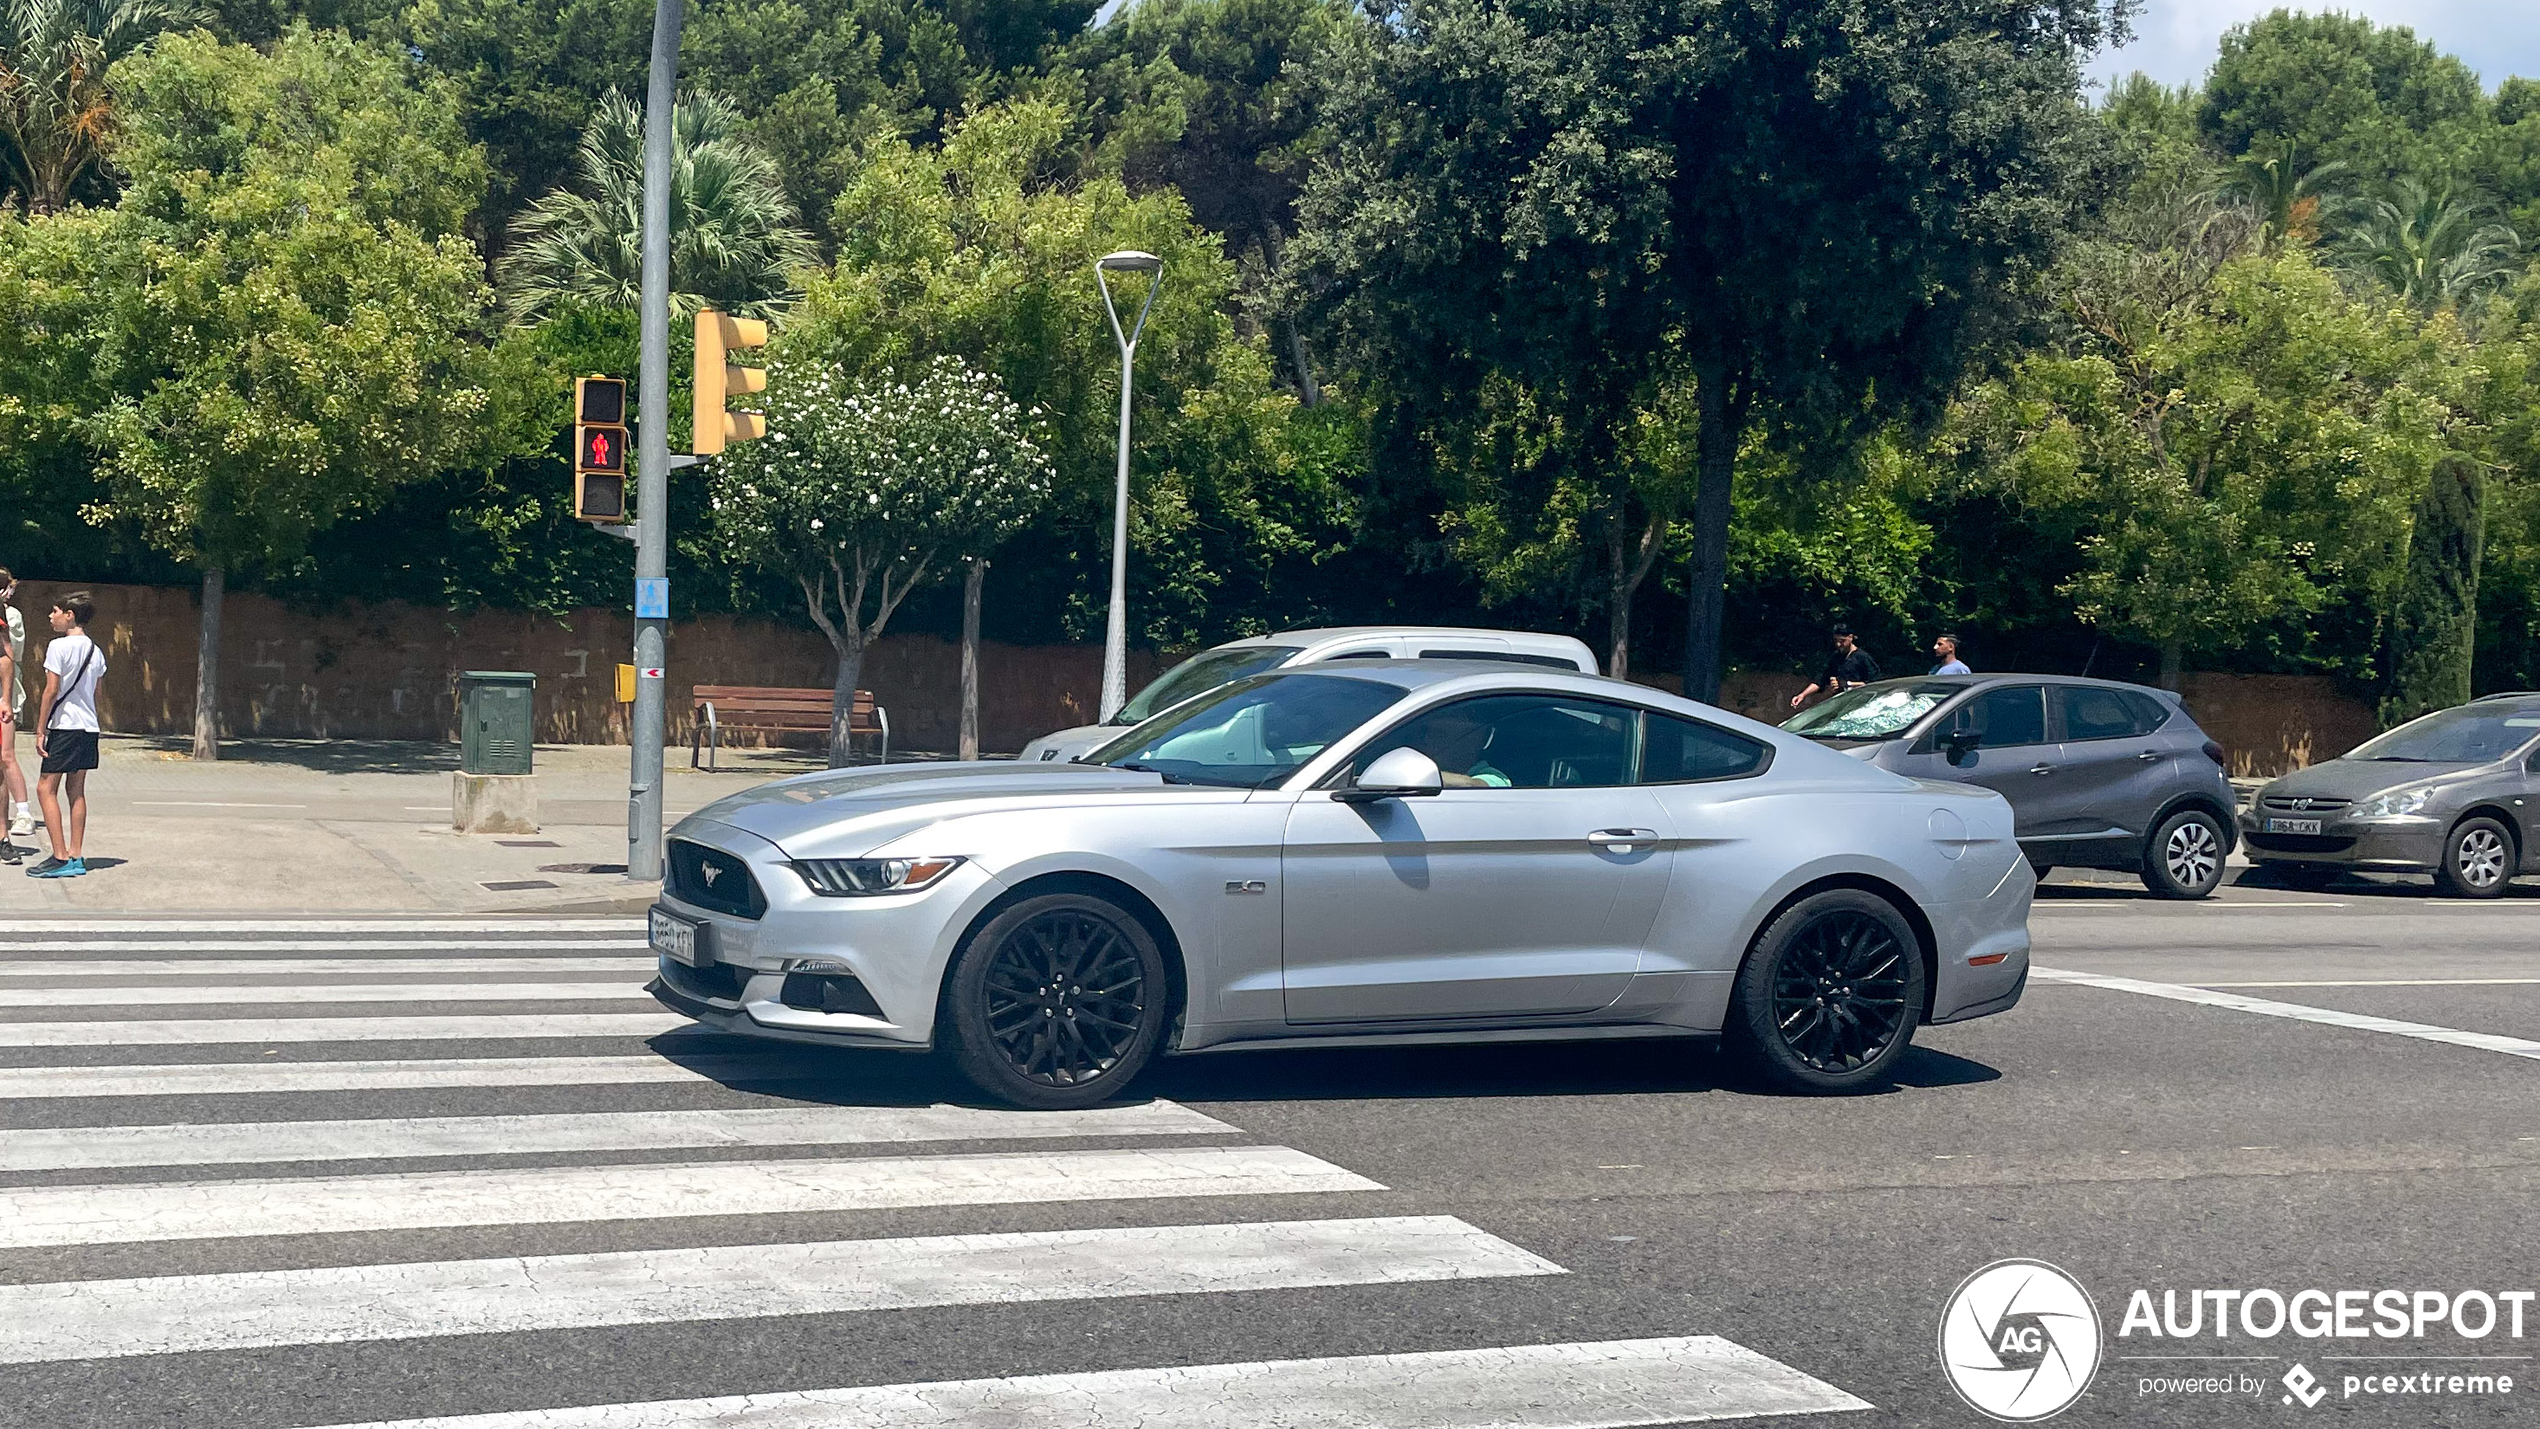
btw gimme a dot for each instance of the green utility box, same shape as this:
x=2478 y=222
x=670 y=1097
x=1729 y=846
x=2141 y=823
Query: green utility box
x=496 y=730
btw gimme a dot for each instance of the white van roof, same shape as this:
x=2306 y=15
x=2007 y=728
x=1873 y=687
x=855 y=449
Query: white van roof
x=1438 y=641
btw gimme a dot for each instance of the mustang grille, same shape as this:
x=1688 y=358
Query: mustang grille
x=711 y=878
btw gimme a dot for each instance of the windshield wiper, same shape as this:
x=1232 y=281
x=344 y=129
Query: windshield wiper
x=1166 y=775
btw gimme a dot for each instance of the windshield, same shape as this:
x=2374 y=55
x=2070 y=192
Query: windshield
x=1871 y=712
x=2470 y=734
x=1251 y=733
x=1204 y=671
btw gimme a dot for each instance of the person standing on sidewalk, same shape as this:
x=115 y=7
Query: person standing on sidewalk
x=1944 y=648
x=1849 y=667
x=16 y=819
x=66 y=733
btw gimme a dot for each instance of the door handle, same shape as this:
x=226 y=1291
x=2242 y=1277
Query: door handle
x=2041 y=769
x=2148 y=756
x=1622 y=840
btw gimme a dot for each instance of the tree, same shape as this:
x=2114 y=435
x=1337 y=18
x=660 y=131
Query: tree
x=2287 y=198
x=2432 y=247
x=2433 y=633
x=2336 y=88
x=864 y=490
x=1804 y=214
x=289 y=323
x=55 y=108
x=734 y=245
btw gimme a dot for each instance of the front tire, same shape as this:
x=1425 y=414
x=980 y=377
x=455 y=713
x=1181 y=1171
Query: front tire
x=2184 y=857
x=1056 y=1003
x=2478 y=859
x=1830 y=994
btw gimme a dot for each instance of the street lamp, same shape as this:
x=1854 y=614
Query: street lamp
x=1115 y=642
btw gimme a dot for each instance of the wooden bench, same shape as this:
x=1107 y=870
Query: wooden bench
x=755 y=707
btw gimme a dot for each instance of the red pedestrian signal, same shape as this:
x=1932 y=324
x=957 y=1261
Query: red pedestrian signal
x=599 y=450
x=603 y=449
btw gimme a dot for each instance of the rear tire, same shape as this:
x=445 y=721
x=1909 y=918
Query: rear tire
x=1829 y=996
x=1056 y=1003
x=2184 y=856
x=2478 y=859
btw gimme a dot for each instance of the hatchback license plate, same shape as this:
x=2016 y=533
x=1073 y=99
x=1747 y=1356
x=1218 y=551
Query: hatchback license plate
x=2293 y=826
x=679 y=940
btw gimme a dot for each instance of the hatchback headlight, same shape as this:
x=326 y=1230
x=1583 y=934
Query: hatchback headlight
x=864 y=877
x=2397 y=803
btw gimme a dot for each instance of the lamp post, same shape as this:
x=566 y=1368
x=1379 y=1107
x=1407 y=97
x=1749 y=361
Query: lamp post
x=1115 y=643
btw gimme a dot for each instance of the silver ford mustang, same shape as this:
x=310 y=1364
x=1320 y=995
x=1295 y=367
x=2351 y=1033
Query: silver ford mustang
x=1382 y=852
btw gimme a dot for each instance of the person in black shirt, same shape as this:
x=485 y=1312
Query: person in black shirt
x=1850 y=666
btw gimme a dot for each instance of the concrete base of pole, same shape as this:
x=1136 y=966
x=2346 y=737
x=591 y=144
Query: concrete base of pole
x=494 y=803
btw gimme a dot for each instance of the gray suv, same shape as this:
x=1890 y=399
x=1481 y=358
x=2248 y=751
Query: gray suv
x=2099 y=774
x=2455 y=794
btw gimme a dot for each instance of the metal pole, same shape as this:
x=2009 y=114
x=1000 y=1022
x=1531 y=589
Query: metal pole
x=652 y=452
x=1115 y=640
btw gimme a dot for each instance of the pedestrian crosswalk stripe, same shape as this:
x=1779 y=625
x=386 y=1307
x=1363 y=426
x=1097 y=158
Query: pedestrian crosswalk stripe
x=109 y=995
x=210 y=1144
x=474 y=947
x=269 y=1031
x=1615 y=1384
x=103 y=1319
x=234 y=1078
x=489 y=926
x=203 y=1210
x=75 y=972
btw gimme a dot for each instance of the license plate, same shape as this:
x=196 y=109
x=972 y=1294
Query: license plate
x=681 y=941
x=2293 y=826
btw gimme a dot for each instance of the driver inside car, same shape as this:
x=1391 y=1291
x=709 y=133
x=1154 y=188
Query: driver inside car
x=1460 y=744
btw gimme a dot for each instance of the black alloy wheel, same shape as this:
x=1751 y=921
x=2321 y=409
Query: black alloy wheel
x=1830 y=994
x=2478 y=859
x=2184 y=856
x=1057 y=1002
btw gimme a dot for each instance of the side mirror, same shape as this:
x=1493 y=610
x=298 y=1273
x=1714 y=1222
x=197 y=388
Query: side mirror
x=1961 y=744
x=1398 y=774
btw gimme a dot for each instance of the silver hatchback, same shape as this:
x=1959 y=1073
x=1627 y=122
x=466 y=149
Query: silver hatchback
x=2099 y=774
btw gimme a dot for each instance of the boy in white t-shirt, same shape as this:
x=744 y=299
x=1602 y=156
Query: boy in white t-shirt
x=66 y=732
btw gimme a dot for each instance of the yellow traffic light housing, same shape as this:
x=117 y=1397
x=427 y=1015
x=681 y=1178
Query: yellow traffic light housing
x=719 y=380
x=599 y=450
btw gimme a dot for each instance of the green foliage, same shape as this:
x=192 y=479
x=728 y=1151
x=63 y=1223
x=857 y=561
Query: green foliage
x=2433 y=628
x=2433 y=248
x=2336 y=88
x=733 y=243
x=55 y=107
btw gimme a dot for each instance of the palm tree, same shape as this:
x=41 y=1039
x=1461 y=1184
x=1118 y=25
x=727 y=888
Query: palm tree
x=54 y=106
x=2431 y=247
x=733 y=238
x=2287 y=199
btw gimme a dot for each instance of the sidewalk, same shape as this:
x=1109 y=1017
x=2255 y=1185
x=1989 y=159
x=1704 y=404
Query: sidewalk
x=312 y=826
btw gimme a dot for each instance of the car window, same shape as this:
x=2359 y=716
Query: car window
x=1361 y=655
x=2149 y=714
x=1677 y=751
x=1251 y=733
x=1870 y=712
x=2464 y=734
x=2093 y=713
x=1204 y=671
x=1505 y=657
x=1518 y=742
x=2011 y=716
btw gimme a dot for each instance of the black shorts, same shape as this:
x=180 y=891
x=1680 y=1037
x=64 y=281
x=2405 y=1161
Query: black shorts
x=69 y=751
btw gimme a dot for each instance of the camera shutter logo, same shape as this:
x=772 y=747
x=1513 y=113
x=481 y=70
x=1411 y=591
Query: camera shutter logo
x=2019 y=1340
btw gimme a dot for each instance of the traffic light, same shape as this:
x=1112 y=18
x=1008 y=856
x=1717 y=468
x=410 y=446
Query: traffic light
x=599 y=449
x=718 y=380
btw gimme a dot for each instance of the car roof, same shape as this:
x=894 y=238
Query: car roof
x=1328 y=634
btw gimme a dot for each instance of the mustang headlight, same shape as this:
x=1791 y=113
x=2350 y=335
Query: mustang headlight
x=2397 y=803
x=864 y=877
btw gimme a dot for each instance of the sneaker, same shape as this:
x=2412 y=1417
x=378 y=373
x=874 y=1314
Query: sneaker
x=11 y=854
x=23 y=826
x=73 y=868
x=45 y=868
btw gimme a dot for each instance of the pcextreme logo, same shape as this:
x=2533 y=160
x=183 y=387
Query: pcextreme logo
x=2019 y=1341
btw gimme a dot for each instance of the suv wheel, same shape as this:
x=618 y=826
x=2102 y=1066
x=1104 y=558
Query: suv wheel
x=2184 y=856
x=2478 y=859
x=1056 y=1003
x=1830 y=994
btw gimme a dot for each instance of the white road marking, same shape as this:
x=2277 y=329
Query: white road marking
x=107 y=995
x=268 y=1031
x=474 y=947
x=179 y=1079
x=547 y=1195
x=205 y=804
x=101 y=1319
x=2393 y=982
x=491 y=925
x=2361 y=1022
x=216 y=1143
x=1617 y=1384
x=303 y=967
x=2049 y=905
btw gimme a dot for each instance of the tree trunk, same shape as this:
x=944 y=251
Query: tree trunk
x=207 y=671
x=2173 y=662
x=972 y=579
x=1618 y=607
x=842 y=697
x=1309 y=392
x=1715 y=483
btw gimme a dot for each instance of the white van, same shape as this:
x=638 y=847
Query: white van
x=1235 y=659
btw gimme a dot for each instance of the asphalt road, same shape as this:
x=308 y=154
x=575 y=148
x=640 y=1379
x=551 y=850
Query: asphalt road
x=2273 y=1090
